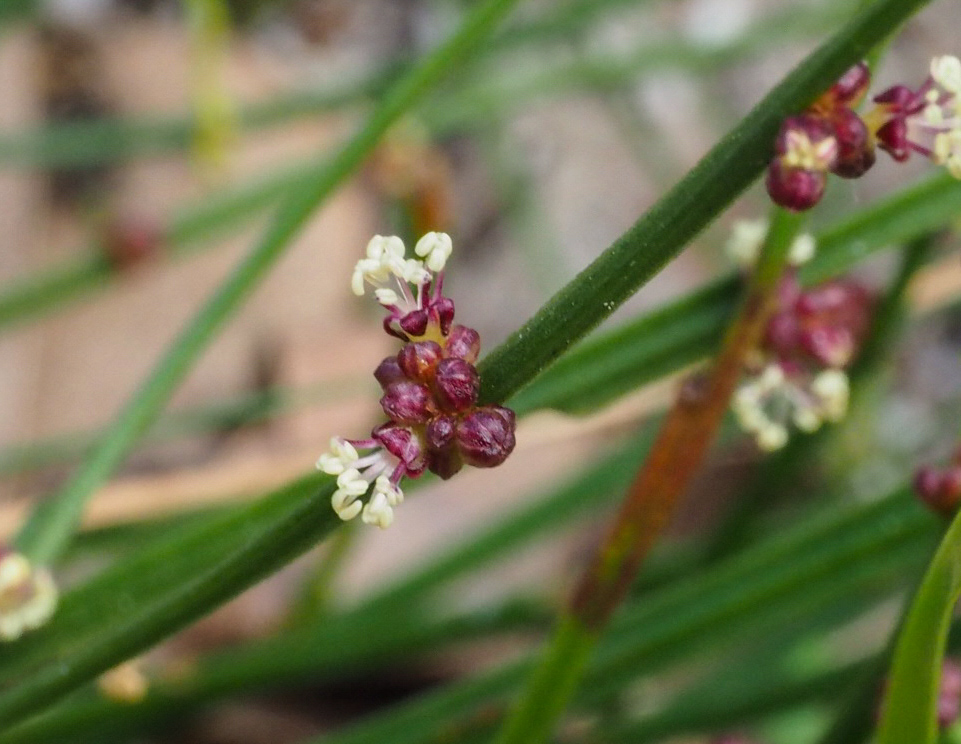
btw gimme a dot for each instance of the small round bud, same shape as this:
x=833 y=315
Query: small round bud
x=388 y=372
x=794 y=188
x=129 y=242
x=485 y=437
x=855 y=145
x=456 y=384
x=440 y=432
x=852 y=85
x=407 y=402
x=463 y=343
x=417 y=360
x=414 y=324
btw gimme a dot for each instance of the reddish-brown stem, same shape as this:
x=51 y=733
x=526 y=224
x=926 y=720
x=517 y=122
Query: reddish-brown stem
x=681 y=445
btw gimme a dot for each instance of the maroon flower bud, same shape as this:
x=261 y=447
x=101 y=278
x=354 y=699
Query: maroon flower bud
x=949 y=694
x=833 y=346
x=403 y=444
x=893 y=139
x=440 y=432
x=389 y=371
x=463 y=343
x=407 y=402
x=445 y=464
x=855 y=145
x=414 y=324
x=442 y=314
x=896 y=97
x=485 y=436
x=456 y=384
x=418 y=359
x=852 y=85
x=939 y=489
x=129 y=242
x=794 y=188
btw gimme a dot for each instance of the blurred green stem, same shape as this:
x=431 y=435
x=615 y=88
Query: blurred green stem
x=678 y=451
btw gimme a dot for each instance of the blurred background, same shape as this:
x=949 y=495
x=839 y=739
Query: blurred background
x=143 y=144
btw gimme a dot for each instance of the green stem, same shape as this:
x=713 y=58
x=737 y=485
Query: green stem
x=678 y=451
x=909 y=712
x=51 y=526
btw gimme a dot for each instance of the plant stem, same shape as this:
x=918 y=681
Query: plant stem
x=680 y=448
x=51 y=526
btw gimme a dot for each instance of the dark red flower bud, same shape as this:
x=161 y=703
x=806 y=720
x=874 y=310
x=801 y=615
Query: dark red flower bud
x=418 y=359
x=129 y=242
x=485 y=436
x=852 y=85
x=833 y=346
x=898 y=97
x=403 y=444
x=446 y=463
x=389 y=371
x=893 y=139
x=463 y=343
x=939 y=489
x=440 y=432
x=855 y=145
x=414 y=324
x=407 y=402
x=794 y=188
x=442 y=313
x=456 y=384
x=443 y=459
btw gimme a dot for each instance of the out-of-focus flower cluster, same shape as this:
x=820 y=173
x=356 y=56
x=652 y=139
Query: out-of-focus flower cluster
x=796 y=376
x=430 y=387
x=940 y=488
x=831 y=137
x=28 y=595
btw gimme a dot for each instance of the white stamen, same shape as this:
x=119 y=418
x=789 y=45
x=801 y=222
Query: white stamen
x=745 y=242
x=378 y=511
x=802 y=249
x=435 y=248
x=832 y=391
x=386 y=297
x=946 y=72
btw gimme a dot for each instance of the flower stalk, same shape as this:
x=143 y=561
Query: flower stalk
x=678 y=451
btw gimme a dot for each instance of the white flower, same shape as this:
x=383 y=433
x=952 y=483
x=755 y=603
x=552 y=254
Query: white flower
x=802 y=249
x=946 y=72
x=745 y=242
x=832 y=391
x=436 y=248
x=28 y=596
x=947 y=151
x=378 y=511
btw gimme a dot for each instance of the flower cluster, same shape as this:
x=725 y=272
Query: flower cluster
x=830 y=137
x=940 y=488
x=949 y=693
x=430 y=387
x=28 y=595
x=797 y=375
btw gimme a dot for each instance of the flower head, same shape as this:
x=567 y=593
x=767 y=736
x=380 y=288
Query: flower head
x=940 y=487
x=796 y=377
x=430 y=388
x=28 y=595
x=926 y=120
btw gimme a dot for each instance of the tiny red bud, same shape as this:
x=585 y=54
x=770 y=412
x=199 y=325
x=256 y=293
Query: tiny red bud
x=440 y=432
x=388 y=372
x=855 y=145
x=456 y=383
x=417 y=360
x=414 y=324
x=794 y=188
x=130 y=242
x=463 y=343
x=852 y=85
x=407 y=402
x=485 y=436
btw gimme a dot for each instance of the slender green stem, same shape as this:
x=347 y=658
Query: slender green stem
x=678 y=451
x=52 y=525
x=909 y=712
